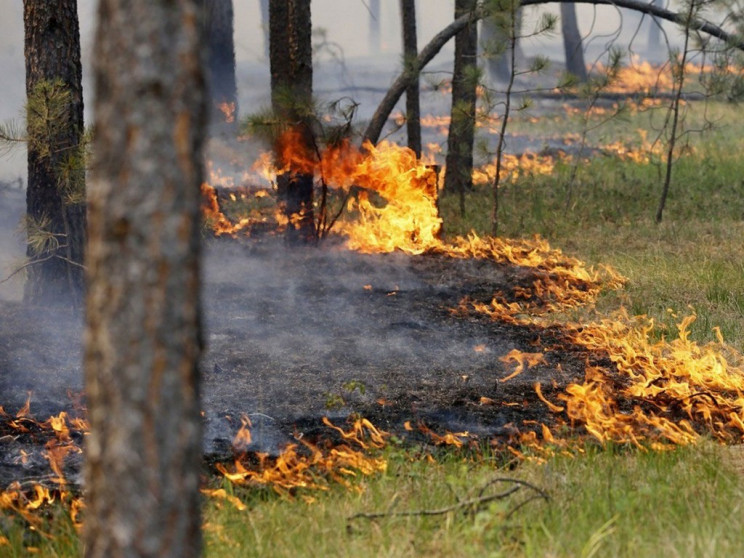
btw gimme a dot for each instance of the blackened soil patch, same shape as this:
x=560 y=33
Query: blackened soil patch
x=297 y=334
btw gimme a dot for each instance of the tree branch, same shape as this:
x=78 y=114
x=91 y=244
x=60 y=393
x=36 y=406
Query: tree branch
x=393 y=95
x=472 y=504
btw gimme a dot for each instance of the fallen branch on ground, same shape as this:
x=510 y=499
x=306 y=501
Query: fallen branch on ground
x=471 y=505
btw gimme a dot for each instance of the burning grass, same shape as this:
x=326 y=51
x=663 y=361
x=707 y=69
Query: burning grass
x=304 y=465
x=654 y=393
x=647 y=385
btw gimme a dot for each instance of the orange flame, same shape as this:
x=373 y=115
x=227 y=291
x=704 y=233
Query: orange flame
x=307 y=468
x=228 y=110
x=522 y=359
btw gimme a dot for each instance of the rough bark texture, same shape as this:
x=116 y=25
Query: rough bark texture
x=221 y=63
x=291 y=99
x=572 y=44
x=142 y=338
x=56 y=188
x=458 y=176
x=410 y=53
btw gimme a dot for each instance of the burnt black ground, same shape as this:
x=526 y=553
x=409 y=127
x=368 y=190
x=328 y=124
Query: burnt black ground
x=297 y=334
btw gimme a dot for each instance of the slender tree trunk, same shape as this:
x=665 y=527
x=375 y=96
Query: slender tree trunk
x=374 y=26
x=221 y=63
x=495 y=39
x=432 y=48
x=55 y=197
x=572 y=44
x=410 y=53
x=654 y=30
x=458 y=176
x=291 y=99
x=142 y=339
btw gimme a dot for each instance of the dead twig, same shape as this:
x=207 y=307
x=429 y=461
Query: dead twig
x=470 y=505
x=40 y=260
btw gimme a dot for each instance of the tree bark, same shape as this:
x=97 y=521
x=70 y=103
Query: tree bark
x=458 y=176
x=142 y=337
x=377 y=122
x=401 y=83
x=410 y=53
x=572 y=44
x=264 y=4
x=55 y=197
x=291 y=99
x=221 y=63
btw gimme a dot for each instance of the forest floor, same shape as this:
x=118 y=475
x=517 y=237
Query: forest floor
x=295 y=335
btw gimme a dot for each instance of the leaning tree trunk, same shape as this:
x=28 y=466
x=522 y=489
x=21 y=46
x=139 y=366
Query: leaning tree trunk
x=432 y=48
x=572 y=44
x=142 y=339
x=291 y=99
x=410 y=53
x=458 y=176
x=55 y=197
x=221 y=63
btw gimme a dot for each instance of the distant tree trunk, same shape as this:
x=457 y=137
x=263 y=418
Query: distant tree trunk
x=458 y=175
x=265 y=26
x=654 y=30
x=221 y=63
x=572 y=44
x=291 y=99
x=432 y=48
x=55 y=197
x=410 y=53
x=142 y=338
x=374 y=26
x=495 y=38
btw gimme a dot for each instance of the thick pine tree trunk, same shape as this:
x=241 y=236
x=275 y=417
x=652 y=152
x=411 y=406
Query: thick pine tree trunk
x=458 y=176
x=221 y=63
x=410 y=54
x=142 y=339
x=291 y=99
x=55 y=197
x=572 y=44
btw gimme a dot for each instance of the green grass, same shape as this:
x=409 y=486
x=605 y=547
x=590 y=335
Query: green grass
x=694 y=258
x=609 y=501
x=606 y=503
